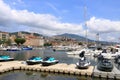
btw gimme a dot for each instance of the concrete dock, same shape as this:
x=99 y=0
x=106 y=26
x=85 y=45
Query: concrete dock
x=114 y=74
x=59 y=68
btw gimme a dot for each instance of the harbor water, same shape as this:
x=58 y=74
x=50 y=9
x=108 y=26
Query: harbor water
x=31 y=75
x=60 y=55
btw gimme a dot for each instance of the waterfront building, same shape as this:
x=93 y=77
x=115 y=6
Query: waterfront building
x=34 y=41
x=31 y=39
x=12 y=38
x=4 y=35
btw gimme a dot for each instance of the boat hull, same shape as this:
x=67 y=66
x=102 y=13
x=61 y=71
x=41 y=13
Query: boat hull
x=26 y=48
x=3 y=60
x=80 y=66
x=32 y=63
x=45 y=63
x=13 y=50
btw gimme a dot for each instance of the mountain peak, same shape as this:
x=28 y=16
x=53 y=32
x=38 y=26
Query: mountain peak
x=74 y=36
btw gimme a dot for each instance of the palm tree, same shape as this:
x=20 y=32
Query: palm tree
x=20 y=41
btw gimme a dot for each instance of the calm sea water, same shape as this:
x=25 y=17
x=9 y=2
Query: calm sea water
x=61 y=56
x=30 y=75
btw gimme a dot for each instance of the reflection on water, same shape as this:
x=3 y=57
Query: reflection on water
x=30 y=75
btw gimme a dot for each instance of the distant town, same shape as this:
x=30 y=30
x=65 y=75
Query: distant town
x=37 y=40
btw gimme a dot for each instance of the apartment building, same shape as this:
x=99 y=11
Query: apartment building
x=4 y=35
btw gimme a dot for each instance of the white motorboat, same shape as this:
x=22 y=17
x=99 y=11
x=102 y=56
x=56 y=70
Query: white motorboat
x=108 y=54
x=13 y=48
x=87 y=52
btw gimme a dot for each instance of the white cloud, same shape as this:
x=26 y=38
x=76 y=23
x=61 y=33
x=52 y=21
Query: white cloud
x=46 y=22
x=103 y=25
x=108 y=29
x=14 y=20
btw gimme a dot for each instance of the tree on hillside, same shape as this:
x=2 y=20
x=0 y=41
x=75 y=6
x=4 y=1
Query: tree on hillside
x=20 y=41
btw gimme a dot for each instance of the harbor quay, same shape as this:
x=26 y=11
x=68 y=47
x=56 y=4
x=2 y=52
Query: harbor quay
x=61 y=68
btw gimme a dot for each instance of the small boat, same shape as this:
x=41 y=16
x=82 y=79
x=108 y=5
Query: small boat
x=27 y=48
x=77 y=52
x=62 y=48
x=110 y=53
x=34 y=60
x=49 y=61
x=105 y=65
x=13 y=48
x=5 y=58
x=83 y=63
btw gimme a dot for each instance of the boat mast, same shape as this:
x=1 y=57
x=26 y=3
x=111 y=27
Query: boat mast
x=85 y=11
x=97 y=39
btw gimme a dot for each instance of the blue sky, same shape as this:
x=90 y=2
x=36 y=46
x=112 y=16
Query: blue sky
x=70 y=11
x=51 y=17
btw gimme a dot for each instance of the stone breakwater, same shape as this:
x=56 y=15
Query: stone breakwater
x=62 y=68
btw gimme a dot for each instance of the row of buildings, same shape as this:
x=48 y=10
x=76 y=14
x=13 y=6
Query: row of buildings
x=37 y=40
x=31 y=39
x=62 y=41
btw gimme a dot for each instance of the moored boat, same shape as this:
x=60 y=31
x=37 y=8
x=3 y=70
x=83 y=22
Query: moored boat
x=49 y=61
x=105 y=65
x=5 y=58
x=13 y=48
x=77 y=52
x=83 y=61
x=34 y=60
x=27 y=48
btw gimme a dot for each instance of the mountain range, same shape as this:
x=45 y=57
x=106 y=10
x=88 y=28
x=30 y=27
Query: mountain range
x=81 y=38
x=72 y=36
